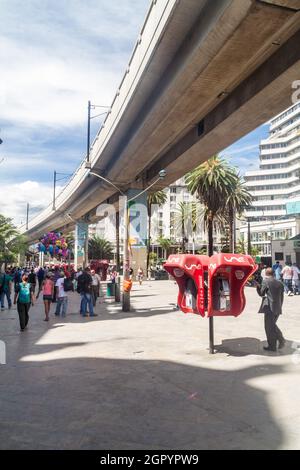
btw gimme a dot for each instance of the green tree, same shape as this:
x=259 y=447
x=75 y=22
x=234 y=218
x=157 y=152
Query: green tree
x=212 y=183
x=157 y=198
x=237 y=201
x=99 y=248
x=242 y=248
x=12 y=243
x=182 y=218
x=166 y=244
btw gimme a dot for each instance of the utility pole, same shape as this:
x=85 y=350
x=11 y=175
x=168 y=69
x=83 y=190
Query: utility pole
x=64 y=176
x=54 y=189
x=249 y=250
x=88 y=138
x=88 y=134
x=27 y=215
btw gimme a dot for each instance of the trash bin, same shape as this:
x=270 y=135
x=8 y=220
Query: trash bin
x=110 y=289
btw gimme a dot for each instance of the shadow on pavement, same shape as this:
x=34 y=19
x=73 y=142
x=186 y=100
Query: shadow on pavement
x=245 y=346
x=97 y=403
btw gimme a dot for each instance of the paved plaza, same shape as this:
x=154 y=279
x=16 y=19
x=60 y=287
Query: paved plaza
x=145 y=380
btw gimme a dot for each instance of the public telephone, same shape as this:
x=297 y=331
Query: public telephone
x=221 y=293
x=190 y=294
x=211 y=285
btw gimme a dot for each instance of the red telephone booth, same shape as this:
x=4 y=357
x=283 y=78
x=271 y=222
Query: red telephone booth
x=228 y=274
x=211 y=284
x=191 y=275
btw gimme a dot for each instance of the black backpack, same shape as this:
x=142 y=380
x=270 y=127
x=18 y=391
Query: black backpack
x=68 y=285
x=84 y=283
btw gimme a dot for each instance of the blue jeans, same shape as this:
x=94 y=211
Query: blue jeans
x=61 y=301
x=7 y=294
x=86 y=300
x=287 y=285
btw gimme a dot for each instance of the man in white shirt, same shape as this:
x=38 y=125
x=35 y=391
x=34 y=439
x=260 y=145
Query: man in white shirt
x=95 y=286
x=61 y=296
x=263 y=273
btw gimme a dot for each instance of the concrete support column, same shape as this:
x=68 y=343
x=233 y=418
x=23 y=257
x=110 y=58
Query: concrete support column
x=135 y=236
x=137 y=233
x=81 y=245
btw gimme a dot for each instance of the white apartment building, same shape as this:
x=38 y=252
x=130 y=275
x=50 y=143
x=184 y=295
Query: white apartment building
x=276 y=184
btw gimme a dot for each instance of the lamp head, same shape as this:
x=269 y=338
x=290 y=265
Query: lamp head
x=162 y=174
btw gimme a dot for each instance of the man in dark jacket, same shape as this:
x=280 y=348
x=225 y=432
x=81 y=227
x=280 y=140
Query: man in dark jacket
x=272 y=292
x=84 y=288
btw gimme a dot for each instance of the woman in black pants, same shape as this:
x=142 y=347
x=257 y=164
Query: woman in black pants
x=24 y=297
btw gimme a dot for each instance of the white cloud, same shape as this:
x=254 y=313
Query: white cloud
x=55 y=57
x=38 y=195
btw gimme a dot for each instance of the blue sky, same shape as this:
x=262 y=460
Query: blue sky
x=55 y=55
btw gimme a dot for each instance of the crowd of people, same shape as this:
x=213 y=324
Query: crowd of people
x=289 y=274
x=53 y=284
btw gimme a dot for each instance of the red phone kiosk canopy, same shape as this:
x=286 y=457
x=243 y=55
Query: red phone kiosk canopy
x=211 y=284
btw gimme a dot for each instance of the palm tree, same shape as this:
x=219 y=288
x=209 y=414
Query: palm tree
x=11 y=242
x=186 y=219
x=99 y=248
x=157 y=198
x=212 y=182
x=182 y=217
x=166 y=244
x=237 y=201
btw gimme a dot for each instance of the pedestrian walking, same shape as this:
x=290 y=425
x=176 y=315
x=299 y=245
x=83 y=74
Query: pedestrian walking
x=263 y=272
x=56 y=276
x=32 y=280
x=295 y=279
x=287 y=276
x=41 y=277
x=24 y=297
x=48 y=290
x=272 y=293
x=61 y=296
x=5 y=288
x=277 y=268
x=84 y=288
x=95 y=286
x=140 y=275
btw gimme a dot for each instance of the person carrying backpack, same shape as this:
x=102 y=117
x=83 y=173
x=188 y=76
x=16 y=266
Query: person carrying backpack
x=84 y=288
x=24 y=297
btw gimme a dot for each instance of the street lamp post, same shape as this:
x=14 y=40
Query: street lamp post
x=126 y=255
x=88 y=139
x=55 y=179
x=27 y=215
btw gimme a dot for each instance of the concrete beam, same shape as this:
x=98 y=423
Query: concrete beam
x=261 y=96
x=290 y=4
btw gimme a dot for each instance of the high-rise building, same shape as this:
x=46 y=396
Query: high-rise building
x=276 y=184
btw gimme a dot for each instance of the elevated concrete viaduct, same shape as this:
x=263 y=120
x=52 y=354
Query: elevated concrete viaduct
x=203 y=74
